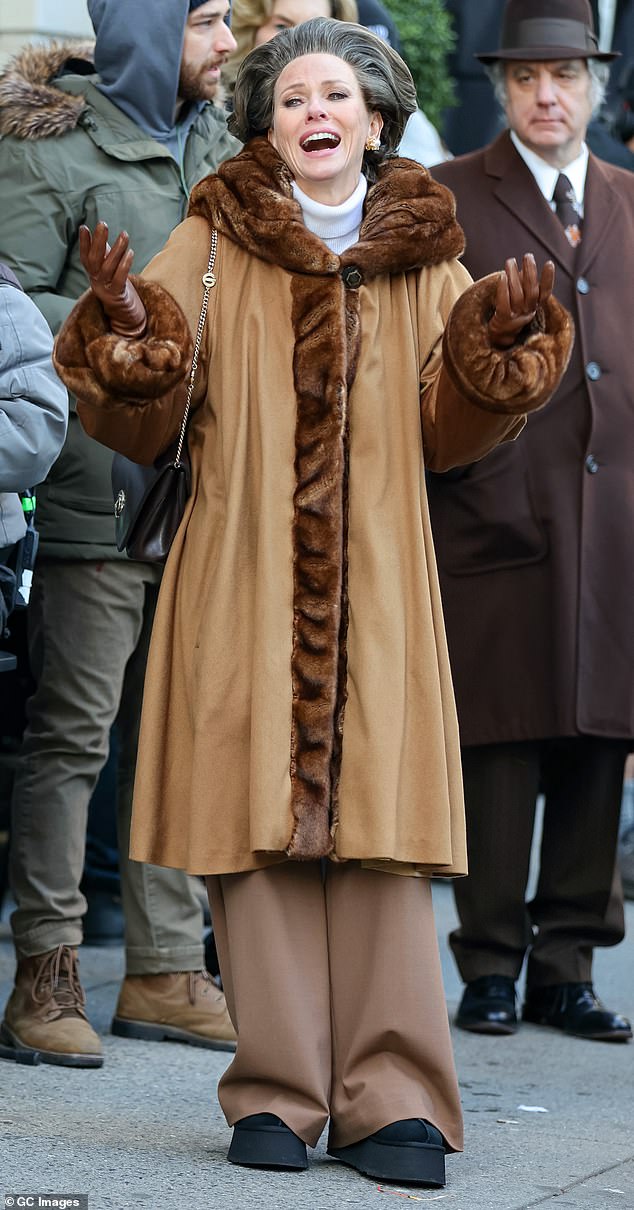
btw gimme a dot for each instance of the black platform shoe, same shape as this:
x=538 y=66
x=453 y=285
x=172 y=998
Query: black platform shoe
x=575 y=1009
x=488 y=1006
x=264 y=1141
x=411 y=1152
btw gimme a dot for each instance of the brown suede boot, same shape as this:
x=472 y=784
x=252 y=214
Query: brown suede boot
x=46 y=1011
x=181 y=1006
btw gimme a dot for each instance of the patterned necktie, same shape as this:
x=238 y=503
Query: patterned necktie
x=566 y=210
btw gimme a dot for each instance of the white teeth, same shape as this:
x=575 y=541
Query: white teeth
x=322 y=137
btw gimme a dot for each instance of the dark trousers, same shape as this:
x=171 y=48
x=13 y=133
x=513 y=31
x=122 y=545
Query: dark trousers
x=578 y=903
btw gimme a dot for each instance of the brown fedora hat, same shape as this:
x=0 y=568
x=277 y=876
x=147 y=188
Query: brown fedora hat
x=547 y=29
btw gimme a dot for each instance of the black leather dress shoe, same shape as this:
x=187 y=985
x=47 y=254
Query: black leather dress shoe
x=264 y=1141
x=488 y=1006
x=411 y=1152
x=574 y=1008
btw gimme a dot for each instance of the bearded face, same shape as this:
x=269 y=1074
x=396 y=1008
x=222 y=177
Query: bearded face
x=199 y=81
x=207 y=44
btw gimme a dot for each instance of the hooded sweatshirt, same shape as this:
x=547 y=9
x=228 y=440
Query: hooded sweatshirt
x=137 y=57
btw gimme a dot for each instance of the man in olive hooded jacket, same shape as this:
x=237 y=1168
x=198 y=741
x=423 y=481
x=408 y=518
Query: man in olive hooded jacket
x=119 y=132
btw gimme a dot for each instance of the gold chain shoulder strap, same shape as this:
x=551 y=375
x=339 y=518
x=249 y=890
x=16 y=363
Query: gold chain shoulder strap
x=209 y=281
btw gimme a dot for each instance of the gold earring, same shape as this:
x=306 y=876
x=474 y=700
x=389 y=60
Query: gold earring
x=372 y=143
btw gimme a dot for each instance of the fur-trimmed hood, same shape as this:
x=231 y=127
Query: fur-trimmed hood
x=31 y=107
x=409 y=221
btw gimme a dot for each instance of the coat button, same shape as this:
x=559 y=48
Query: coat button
x=594 y=371
x=352 y=277
x=592 y=465
x=583 y=285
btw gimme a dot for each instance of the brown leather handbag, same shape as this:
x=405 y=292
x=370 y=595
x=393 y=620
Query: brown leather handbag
x=149 y=501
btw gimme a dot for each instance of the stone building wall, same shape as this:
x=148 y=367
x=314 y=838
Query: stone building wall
x=30 y=20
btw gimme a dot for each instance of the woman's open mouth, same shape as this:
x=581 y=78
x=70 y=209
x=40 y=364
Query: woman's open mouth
x=319 y=140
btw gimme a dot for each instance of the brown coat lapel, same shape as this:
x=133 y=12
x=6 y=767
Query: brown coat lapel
x=600 y=204
x=517 y=190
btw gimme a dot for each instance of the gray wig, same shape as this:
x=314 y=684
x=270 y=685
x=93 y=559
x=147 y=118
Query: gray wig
x=599 y=73
x=385 y=81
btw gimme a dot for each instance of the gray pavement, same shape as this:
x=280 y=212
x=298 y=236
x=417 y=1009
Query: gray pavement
x=549 y=1120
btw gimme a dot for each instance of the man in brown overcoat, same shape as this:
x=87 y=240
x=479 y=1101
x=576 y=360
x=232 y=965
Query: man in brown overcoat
x=536 y=558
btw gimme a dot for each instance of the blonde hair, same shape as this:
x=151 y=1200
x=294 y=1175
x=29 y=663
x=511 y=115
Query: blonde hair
x=248 y=16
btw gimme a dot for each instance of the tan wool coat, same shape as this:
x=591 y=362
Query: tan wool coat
x=298 y=698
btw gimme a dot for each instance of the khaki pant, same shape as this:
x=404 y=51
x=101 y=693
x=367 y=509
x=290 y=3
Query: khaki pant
x=89 y=631
x=333 y=982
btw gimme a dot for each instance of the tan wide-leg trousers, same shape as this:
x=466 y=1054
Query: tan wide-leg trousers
x=333 y=982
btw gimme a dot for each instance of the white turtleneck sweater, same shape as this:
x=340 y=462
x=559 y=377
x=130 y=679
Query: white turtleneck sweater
x=337 y=226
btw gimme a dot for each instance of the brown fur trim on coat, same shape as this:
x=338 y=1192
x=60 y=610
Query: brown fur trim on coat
x=102 y=368
x=320 y=599
x=509 y=381
x=409 y=219
x=31 y=107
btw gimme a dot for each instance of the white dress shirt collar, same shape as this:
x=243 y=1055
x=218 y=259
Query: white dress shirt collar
x=546 y=176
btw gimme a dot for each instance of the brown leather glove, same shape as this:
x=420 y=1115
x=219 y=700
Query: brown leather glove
x=517 y=298
x=108 y=270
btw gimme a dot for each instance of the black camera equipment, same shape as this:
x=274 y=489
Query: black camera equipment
x=16 y=574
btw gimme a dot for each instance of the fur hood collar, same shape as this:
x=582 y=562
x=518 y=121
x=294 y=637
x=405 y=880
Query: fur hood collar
x=31 y=107
x=409 y=220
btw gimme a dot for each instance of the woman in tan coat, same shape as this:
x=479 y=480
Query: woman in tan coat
x=298 y=702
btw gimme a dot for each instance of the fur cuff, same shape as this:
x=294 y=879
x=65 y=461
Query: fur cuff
x=96 y=365
x=509 y=381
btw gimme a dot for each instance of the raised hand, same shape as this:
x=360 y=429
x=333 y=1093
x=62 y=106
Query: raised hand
x=108 y=270
x=518 y=295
